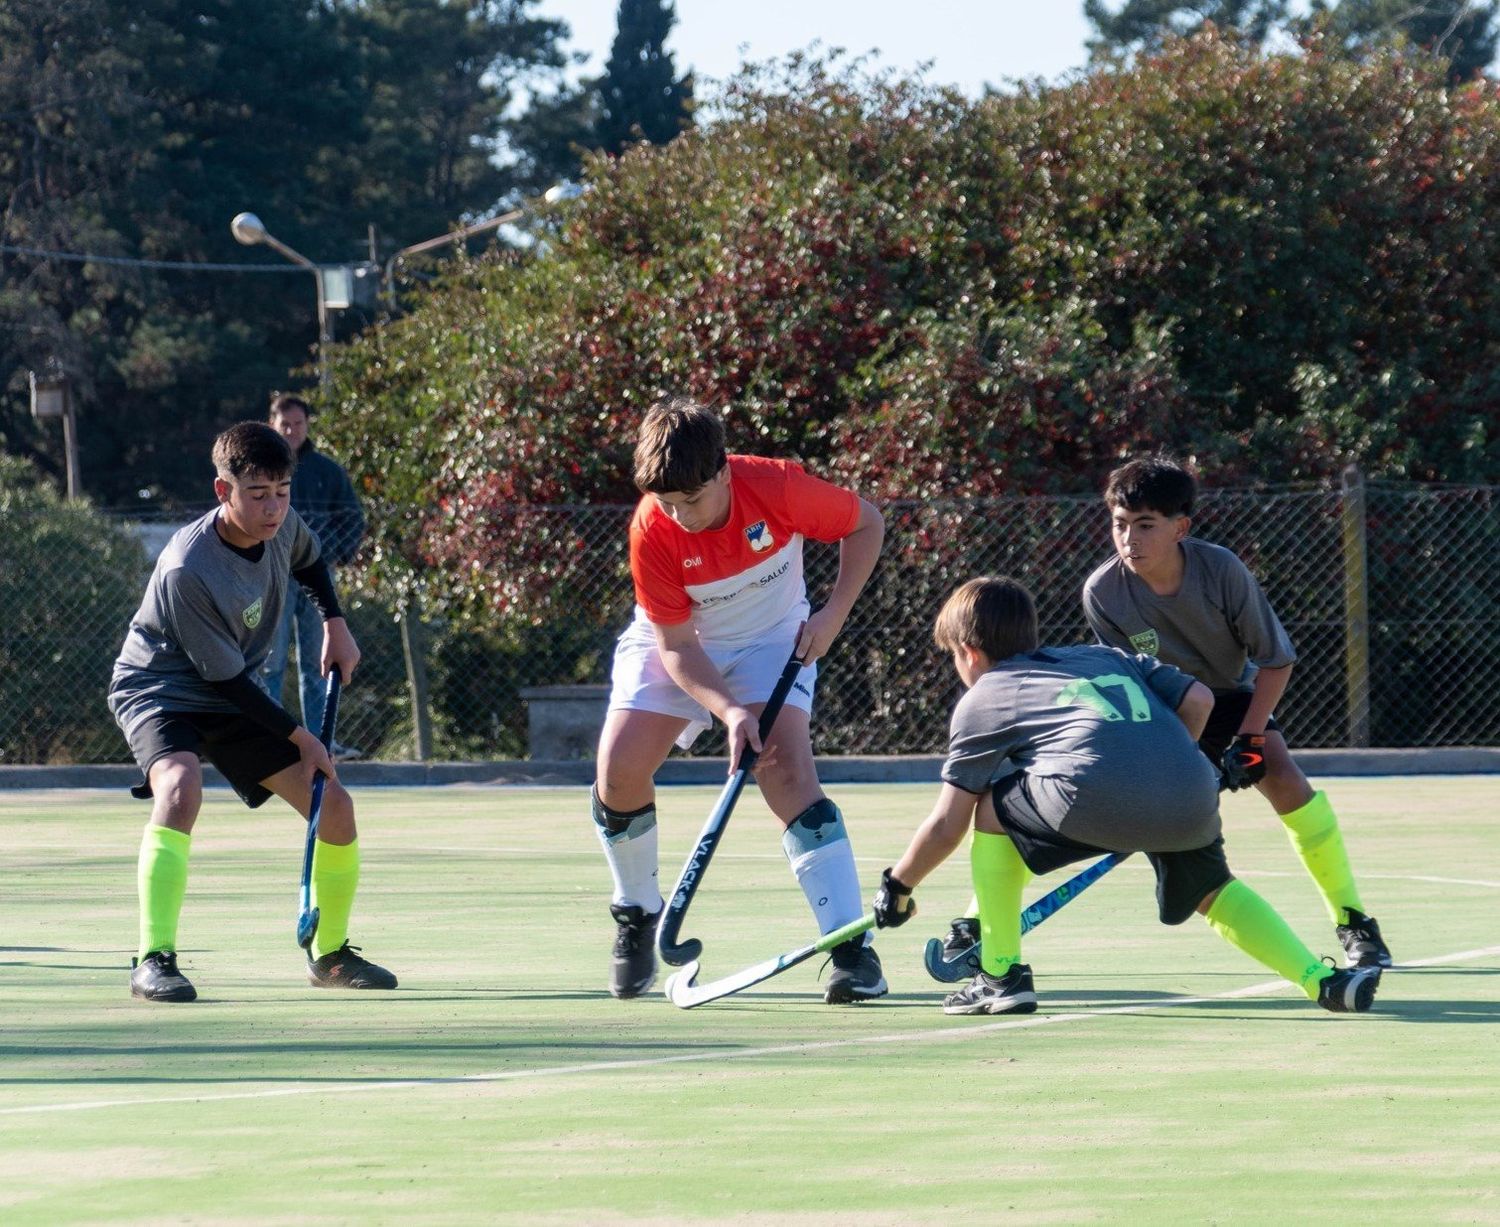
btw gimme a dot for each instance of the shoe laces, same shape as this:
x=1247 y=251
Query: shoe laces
x=166 y=961
x=847 y=956
x=631 y=931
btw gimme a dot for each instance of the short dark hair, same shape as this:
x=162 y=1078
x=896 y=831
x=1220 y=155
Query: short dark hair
x=282 y=401
x=1155 y=482
x=252 y=449
x=679 y=448
x=992 y=613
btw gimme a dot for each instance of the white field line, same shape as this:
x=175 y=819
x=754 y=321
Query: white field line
x=593 y=1067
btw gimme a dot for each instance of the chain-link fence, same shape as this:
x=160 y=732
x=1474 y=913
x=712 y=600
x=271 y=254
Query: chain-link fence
x=1389 y=591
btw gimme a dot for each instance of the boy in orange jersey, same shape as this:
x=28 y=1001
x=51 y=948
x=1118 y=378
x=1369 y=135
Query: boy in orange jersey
x=716 y=559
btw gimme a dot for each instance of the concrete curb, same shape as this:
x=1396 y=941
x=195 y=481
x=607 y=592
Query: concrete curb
x=893 y=769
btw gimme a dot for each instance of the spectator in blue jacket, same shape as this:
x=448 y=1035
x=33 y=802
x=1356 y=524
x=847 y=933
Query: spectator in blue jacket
x=324 y=497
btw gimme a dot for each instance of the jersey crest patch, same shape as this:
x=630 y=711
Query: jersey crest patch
x=251 y=615
x=1147 y=643
x=759 y=537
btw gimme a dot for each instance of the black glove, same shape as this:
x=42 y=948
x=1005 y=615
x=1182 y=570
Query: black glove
x=1244 y=762
x=893 y=905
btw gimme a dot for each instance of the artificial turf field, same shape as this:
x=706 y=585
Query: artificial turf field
x=1165 y=1078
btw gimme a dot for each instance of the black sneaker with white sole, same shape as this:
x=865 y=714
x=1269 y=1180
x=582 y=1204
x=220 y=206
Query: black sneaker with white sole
x=156 y=978
x=962 y=944
x=347 y=968
x=1362 y=943
x=1349 y=990
x=632 y=967
x=1012 y=993
x=857 y=975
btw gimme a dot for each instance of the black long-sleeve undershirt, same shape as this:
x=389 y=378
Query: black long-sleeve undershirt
x=318 y=580
x=255 y=703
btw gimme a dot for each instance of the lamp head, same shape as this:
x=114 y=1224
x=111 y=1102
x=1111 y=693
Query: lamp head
x=248 y=229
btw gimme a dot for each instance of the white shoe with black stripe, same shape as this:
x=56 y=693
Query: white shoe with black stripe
x=1012 y=993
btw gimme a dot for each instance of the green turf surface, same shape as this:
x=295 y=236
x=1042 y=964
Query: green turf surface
x=501 y=1083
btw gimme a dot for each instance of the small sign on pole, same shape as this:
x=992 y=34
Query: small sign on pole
x=49 y=395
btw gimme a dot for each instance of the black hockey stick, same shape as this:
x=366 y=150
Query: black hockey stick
x=678 y=953
x=307 y=915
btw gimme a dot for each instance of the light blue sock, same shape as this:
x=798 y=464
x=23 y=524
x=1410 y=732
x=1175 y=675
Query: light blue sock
x=817 y=847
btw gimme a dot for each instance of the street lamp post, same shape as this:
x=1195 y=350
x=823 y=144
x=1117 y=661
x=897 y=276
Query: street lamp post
x=557 y=192
x=250 y=230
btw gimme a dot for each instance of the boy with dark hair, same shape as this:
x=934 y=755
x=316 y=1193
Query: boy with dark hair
x=183 y=688
x=1060 y=754
x=716 y=559
x=1196 y=606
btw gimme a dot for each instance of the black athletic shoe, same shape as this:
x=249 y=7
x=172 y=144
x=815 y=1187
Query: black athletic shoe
x=1349 y=990
x=347 y=968
x=962 y=945
x=1363 y=945
x=156 y=978
x=1012 y=993
x=856 y=974
x=632 y=966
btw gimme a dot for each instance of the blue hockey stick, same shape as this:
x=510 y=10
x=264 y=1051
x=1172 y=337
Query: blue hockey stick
x=965 y=964
x=307 y=915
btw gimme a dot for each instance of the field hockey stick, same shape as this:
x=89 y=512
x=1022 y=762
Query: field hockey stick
x=962 y=965
x=678 y=953
x=685 y=994
x=307 y=915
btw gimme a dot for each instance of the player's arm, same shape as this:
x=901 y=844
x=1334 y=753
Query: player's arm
x=316 y=579
x=934 y=842
x=859 y=551
x=689 y=666
x=1195 y=708
x=1270 y=685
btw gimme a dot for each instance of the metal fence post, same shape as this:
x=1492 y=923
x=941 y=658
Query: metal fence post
x=414 y=648
x=1356 y=605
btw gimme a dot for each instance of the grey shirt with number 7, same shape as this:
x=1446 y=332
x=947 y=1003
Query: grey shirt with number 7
x=1107 y=760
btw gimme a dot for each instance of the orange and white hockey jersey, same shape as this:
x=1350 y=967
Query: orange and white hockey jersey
x=738 y=582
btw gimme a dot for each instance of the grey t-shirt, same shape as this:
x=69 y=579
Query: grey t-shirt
x=1218 y=626
x=208 y=614
x=1096 y=730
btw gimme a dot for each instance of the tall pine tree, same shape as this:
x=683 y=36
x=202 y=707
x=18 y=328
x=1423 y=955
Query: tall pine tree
x=640 y=97
x=1140 y=25
x=1461 y=31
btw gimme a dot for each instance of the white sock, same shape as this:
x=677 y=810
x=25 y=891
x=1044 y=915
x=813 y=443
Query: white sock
x=817 y=848
x=632 y=858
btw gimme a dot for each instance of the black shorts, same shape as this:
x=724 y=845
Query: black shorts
x=1224 y=724
x=1183 y=879
x=243 y=751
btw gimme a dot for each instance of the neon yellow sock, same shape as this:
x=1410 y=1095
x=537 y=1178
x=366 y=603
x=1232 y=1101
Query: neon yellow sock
x=999 y=875
x=1314 y=832
x=335 y=874
x=1244 y=919
x=161 y=882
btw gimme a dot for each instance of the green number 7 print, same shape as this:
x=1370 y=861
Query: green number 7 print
x=1085 y=693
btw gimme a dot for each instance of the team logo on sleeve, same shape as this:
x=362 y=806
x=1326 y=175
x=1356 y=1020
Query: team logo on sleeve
x=1147 y=643
x=759 y=537
x=251 y=615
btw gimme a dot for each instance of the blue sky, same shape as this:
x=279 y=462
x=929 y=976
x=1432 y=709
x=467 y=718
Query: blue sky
x=970 y=42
